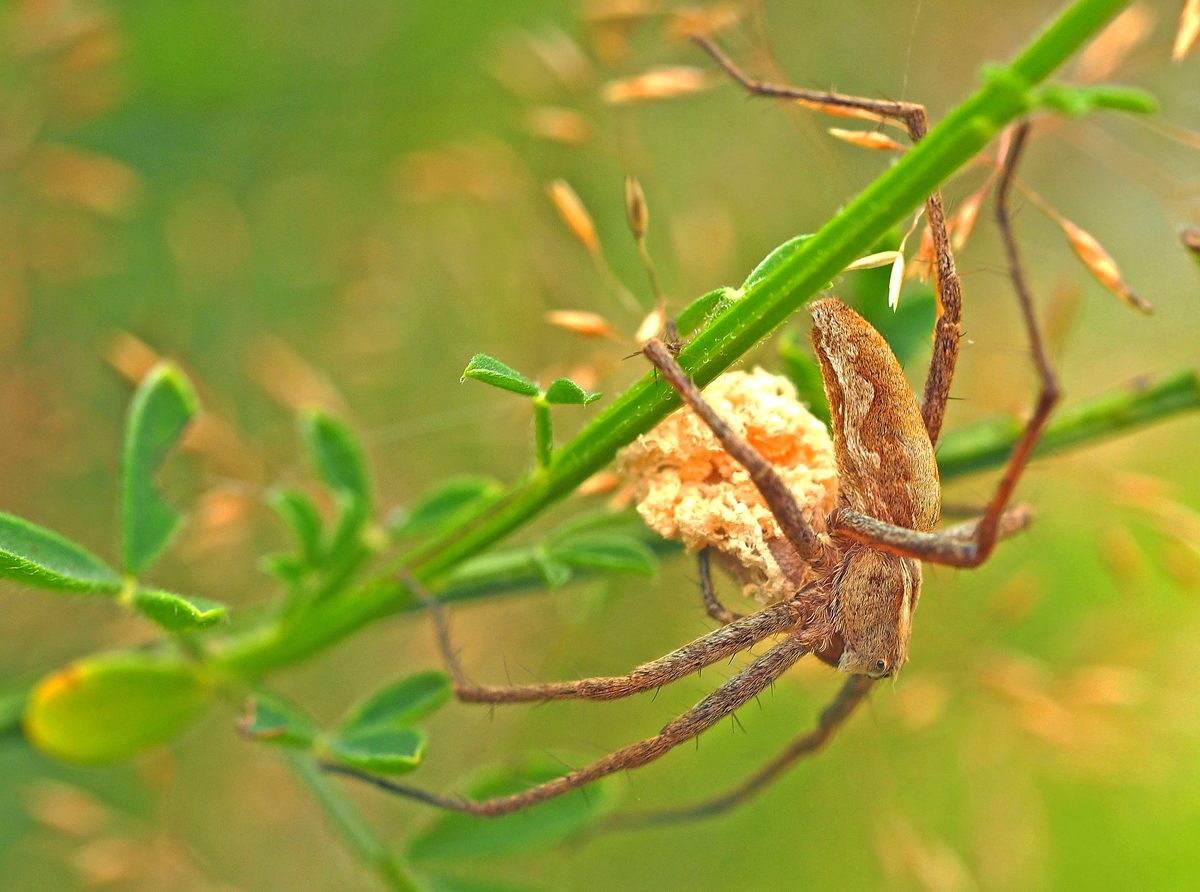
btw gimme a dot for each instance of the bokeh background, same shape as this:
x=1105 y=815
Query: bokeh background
x=340 y=202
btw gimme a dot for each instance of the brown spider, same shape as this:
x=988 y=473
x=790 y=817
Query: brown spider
x=857 y=611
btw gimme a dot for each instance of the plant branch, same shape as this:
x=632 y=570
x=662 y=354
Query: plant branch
x=342 y=813
x=988 y=445
x=799 y=274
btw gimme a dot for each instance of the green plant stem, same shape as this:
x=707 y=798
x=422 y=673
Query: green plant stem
x=989 y=445
x=1004 y=96
x=543 y=432
x=350 y=823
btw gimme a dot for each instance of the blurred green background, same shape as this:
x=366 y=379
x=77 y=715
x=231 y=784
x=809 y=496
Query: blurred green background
x=341 y=200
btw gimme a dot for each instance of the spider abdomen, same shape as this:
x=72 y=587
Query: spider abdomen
x=885 y=460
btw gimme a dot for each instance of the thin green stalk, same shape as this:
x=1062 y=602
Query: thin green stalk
x=342 y=813
x=543 y=431
x=1004 y=96
x=989 y=445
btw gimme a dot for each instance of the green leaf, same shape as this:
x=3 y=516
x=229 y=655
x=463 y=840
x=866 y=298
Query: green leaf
x=111 y=707
x=802 y=370
x=44 y=559
x=604 y=520
x=161 y=409
x=381 y=749
x=176 y=613
x=336 y=454
x=565 y=392
x=402 y=702
x=271 y=719
x=298 y=511
x=774 y=260
x=12 y=708
x=492 y=371
x=442 y=502
x=698 y=312
x=440 y=883
x=345 y=544
x=1077 y=101
x=454 y=836
x=621 y=554
x=287 y=568
x=554 y=573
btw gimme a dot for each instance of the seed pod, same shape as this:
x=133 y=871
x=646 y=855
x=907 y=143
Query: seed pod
x=563 y=125
x=896 y=280
x=635 y=207
x=1189 y=30
x=1112 y=46
x=1101 y=265
x=867 y=139
x=582 y=323
x=602 y=482
x=924 y=262
x=1190 y=236
x=707 y=20
x=963 y=222
x=874 y=261
x=574 y=214
x=664 y=82
x=651 y=325
x=840 y=111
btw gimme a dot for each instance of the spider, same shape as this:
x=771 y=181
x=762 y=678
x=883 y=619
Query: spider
x=856 y=613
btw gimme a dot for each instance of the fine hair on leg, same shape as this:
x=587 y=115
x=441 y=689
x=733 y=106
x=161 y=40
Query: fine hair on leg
x=717 y=645
x=712 y=605
x=722 y=702
x=853 y=691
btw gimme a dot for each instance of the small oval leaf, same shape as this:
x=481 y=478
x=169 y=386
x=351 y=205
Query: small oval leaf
x=336 y=454
x=175 y=613
x=44 y=559
x=698 y=312
x=614 y=553
x=565 y=392
x=299 y=513
x=492 y=371
x=455 y=835
x=554 y=573
x=381 y=749
x=443 y=501
x=402 y=702
x=286 y=568
x=271 y=719
x=114 y=706
x=161 y=409
x=773 y=260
